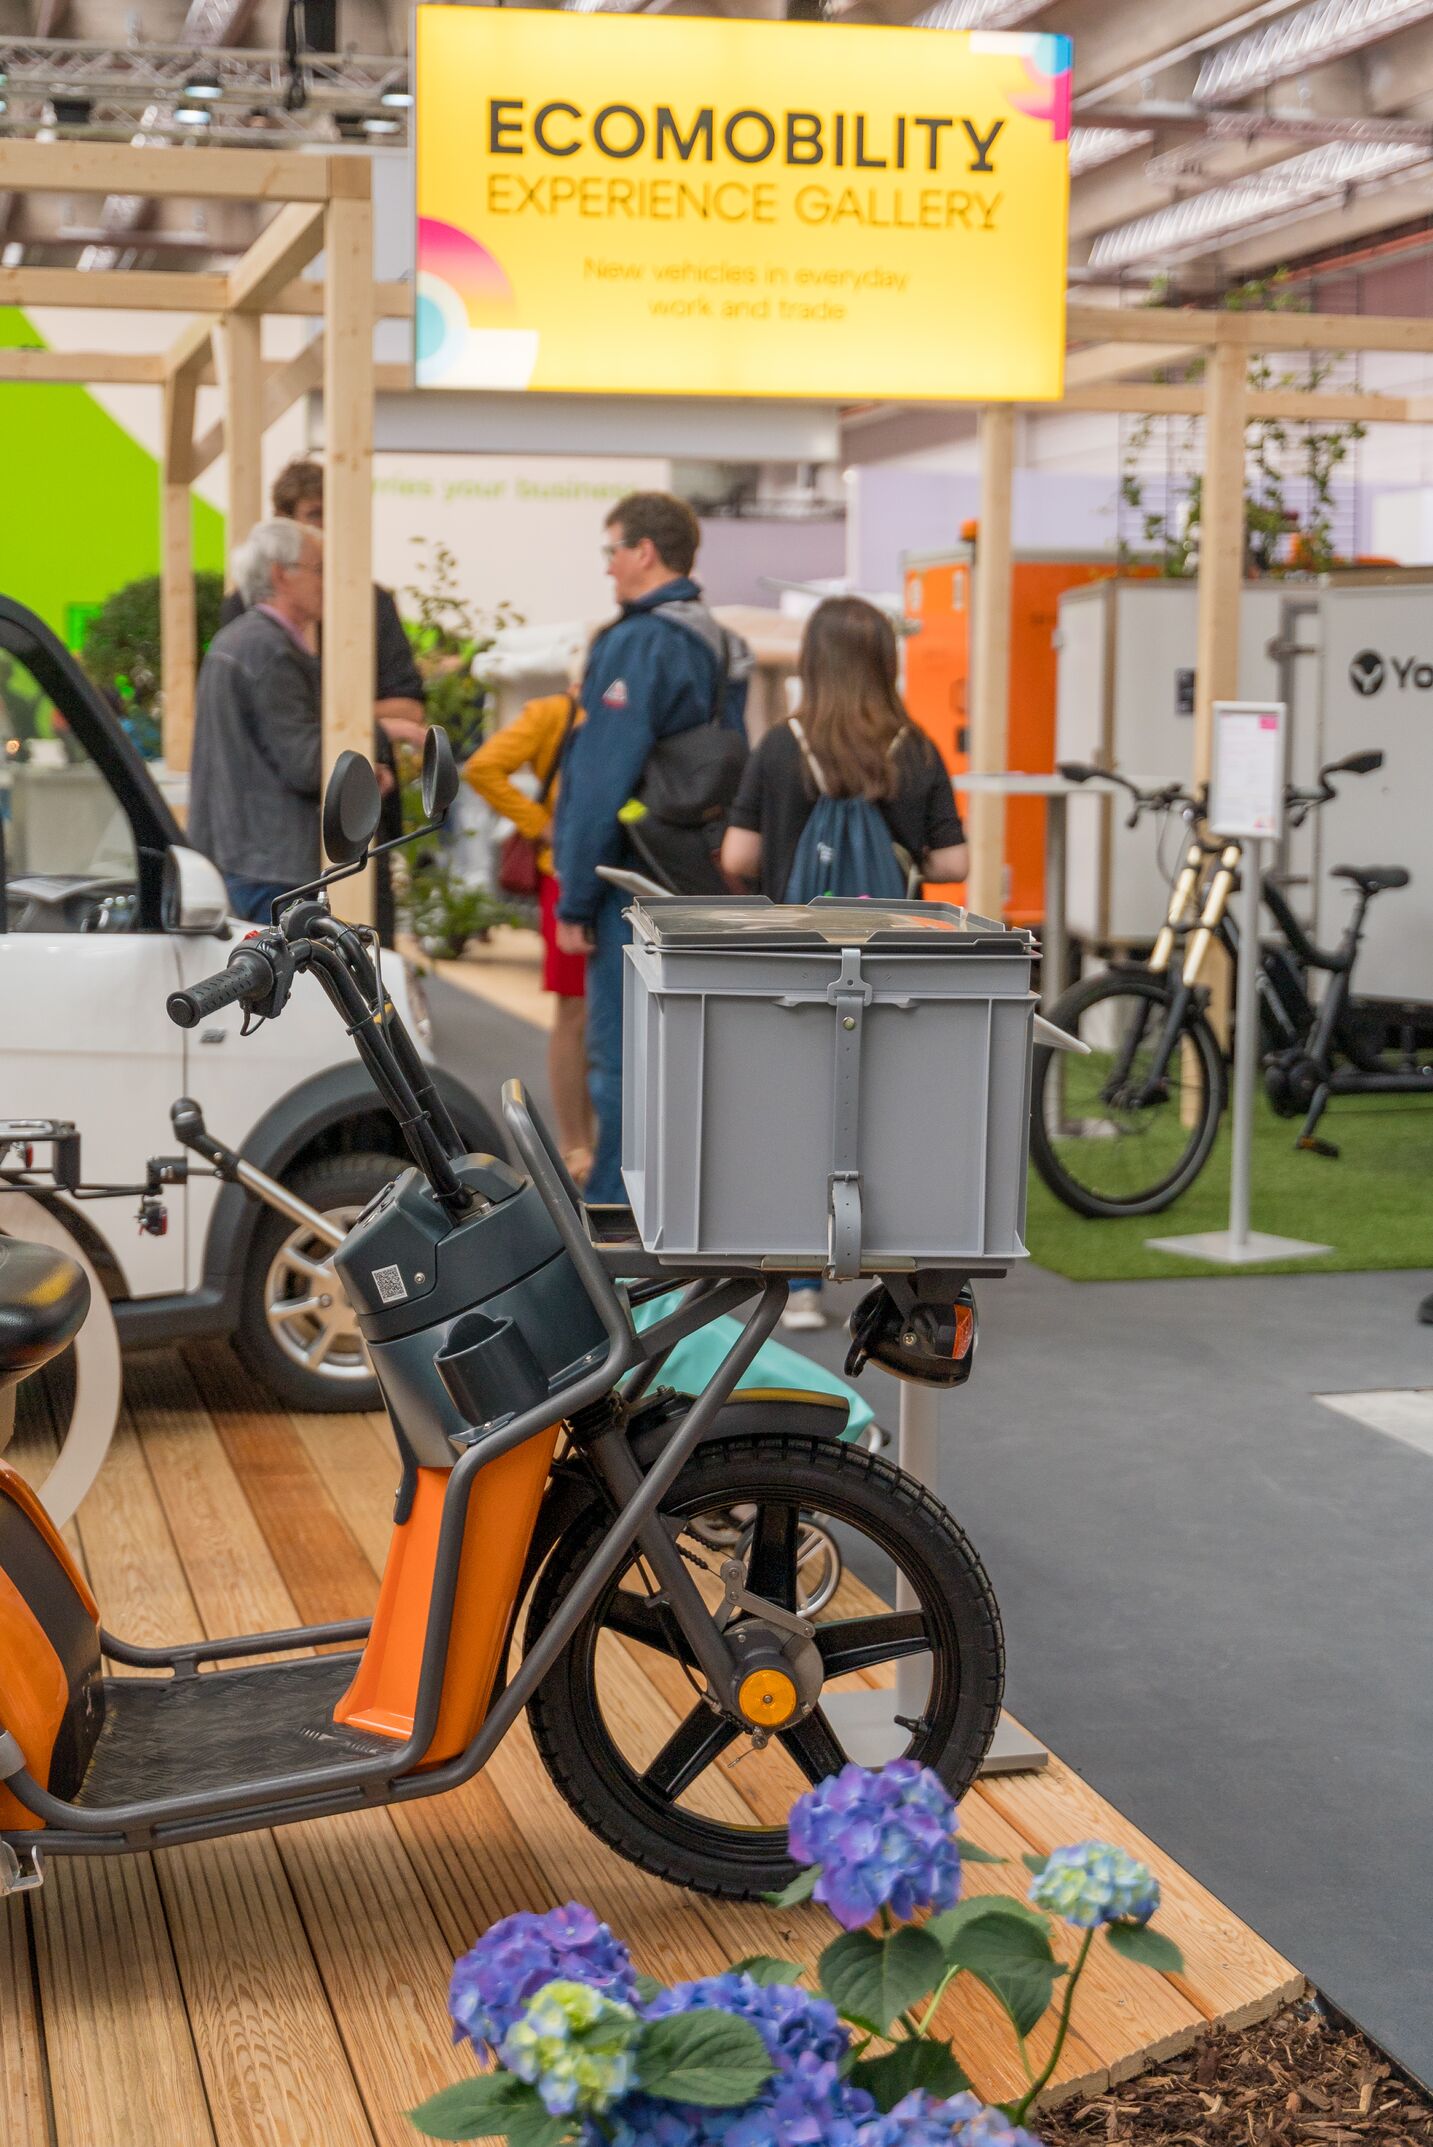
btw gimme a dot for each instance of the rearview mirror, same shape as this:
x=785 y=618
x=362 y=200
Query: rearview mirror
x=193 y=897
x=351 y=809
x=440 y=774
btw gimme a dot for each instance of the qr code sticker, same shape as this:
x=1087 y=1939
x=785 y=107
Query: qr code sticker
x=390 y=1285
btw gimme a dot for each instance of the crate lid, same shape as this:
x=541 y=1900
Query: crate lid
x=731 y=922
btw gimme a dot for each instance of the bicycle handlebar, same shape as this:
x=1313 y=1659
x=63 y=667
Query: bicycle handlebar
x=246 y=976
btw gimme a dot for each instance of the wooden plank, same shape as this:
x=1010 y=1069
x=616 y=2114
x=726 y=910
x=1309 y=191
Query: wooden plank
x=242 y=380
x=1110 y=361
x=1221 y=549
x=348 y=677
x=85 y=368
x=990 y=660
x=360 y=1470
x=1248 y=331
x=177 y=628
x=211 y=174
x=25 y=2113
x=1143 y=324
x=192 y=351
x=1230 y=1973
x=285 y=245
x=158 y=290
x=1169 y=399
x=283 y=385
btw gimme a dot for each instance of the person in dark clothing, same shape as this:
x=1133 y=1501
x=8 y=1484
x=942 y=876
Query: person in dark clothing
x=398 y=683
x=258 y=742
x=662 y=667
x=852 y=739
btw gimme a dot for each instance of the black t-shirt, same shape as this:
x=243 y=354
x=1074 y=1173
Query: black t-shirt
x=396 y=675
x=777 y=796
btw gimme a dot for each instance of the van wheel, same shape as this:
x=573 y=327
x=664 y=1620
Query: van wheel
x=297 y=1332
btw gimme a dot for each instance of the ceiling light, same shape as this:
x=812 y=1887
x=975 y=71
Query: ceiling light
x=977 y=14
x=376 y=125
x=1093 y=146
x=193 y=115
x=1196 y=224
x=398 y=99
x=1312 y=36
x=204 y=87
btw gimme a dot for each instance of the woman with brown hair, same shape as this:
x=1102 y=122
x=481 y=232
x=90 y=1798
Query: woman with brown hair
x=851 y=740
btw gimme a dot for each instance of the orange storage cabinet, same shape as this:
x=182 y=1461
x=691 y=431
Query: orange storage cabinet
x=938 y=591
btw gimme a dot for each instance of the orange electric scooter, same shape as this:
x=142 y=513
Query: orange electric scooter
x=542 y=1463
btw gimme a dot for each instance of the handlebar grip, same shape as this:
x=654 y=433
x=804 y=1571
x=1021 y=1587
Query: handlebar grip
x=247 y=976
x=1077 y=771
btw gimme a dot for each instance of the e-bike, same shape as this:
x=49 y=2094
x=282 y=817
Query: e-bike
x=542 y=1465
x=1128 y=1129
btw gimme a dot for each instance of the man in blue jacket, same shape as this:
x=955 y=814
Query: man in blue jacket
x=663 y=666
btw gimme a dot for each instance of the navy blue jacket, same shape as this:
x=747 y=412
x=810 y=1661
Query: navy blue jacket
x=646 y=679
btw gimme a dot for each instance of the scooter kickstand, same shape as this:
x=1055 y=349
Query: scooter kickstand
x=18 y=1878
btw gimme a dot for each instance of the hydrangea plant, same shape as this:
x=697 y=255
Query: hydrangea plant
x=589 y=2054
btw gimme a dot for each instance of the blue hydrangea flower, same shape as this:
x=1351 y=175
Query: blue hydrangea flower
x=575 y=2047
x=919 y=2120
x=883 y=1837
x=792 y=2022
x=1094 y=1883
x=492 y=1984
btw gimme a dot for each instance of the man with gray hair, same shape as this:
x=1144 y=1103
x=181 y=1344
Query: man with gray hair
x=258 y=752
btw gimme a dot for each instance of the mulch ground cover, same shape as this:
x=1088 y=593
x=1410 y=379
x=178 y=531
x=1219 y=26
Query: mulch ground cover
x=1301 y=2079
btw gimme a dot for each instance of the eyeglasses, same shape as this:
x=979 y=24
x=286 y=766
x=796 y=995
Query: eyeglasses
x=610 y=551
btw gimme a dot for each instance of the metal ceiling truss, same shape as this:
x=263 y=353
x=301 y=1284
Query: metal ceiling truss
x=1310 y=37
x=125 y=76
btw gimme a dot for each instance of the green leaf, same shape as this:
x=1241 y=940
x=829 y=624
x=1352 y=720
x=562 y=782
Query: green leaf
x=1137 y=1942
x=946 y=1927
x=911 y=2065
x=534 y=2128
x=712 y=2059
x=765 y=1968
x=872 y=1980
x=801 y=1889
x=481 y=2109
x=1034 y=1863
x=971 y=1854
x=1011 y=1956
x=649 y=1988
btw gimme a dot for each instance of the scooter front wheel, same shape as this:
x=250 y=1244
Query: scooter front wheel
x=687 y=1791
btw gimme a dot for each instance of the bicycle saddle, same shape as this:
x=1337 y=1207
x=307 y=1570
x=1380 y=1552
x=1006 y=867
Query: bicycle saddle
x=43 y=1301
x=1372 y=878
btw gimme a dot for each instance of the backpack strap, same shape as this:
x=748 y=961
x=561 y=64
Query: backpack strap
x=812 y=763
x=551 y=777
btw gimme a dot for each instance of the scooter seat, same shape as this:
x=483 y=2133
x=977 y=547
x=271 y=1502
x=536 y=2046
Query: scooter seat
x=1373 y=878
x=44 y=1297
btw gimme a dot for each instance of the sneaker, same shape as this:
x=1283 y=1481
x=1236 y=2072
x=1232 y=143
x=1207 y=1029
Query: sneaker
x=803 y=1314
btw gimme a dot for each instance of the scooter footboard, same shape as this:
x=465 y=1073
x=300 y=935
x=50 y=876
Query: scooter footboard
x=502 y=1512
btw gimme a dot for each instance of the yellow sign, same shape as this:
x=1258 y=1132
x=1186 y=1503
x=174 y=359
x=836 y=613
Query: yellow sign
x=685 y=206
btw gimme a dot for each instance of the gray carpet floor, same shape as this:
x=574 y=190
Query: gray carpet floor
x=1217 y=1592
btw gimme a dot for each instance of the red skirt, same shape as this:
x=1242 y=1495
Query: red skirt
x=565 y=974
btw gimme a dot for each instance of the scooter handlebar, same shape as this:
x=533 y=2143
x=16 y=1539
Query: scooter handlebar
x=247 y=976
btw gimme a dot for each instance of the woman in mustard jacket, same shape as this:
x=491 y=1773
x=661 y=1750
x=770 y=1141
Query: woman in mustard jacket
x=535 y=739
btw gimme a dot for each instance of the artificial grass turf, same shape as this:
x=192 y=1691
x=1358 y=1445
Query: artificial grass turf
x=1373 y=1205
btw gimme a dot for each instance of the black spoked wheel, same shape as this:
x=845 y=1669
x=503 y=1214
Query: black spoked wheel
x=686 y=1791
x=1127 y=1129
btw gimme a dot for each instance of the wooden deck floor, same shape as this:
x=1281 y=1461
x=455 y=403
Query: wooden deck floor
x=287 y=1989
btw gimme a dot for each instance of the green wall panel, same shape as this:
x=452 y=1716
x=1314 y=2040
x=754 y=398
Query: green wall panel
x=79 y=510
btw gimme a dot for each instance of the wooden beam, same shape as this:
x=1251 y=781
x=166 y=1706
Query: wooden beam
x=161 y=291
x=192 y=352
x=242 y=381
x=100 y=367
x=990 y=665
x=1153 y=398
x=177 y=632
x=1221 y=548
x=1111 y=361
x=1248 y=331
x=1142 y=324
x=285 y=245
x=348 y=678
x=189 y=174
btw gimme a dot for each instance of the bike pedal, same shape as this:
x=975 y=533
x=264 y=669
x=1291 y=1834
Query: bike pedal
x=1316 y=1147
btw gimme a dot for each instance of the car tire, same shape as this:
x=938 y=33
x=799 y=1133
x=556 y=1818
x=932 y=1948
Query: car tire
x=273 y=1344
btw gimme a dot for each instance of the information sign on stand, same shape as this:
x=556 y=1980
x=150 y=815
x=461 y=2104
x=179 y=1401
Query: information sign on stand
x=1246 y=805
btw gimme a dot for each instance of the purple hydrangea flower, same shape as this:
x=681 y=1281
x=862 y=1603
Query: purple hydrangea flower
x=1094 y=1883
x=883 y=1837
x=491 y=1985
x=792 y=2022
x=920 y=2120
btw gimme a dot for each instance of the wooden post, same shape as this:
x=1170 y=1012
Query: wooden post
x=1221 y=545
x=990 y=661
x=176 y=572
x=348 y=679
x=242 y=374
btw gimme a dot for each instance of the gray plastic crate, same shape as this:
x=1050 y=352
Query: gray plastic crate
x=839 y=1085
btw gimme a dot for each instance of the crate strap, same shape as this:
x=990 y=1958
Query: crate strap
x=850 y=995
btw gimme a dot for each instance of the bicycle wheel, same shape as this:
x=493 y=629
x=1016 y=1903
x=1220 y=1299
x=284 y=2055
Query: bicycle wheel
x=1115 y=1133
x=686 y=1791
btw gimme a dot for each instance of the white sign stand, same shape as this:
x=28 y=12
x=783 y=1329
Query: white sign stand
x=1246 y=801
